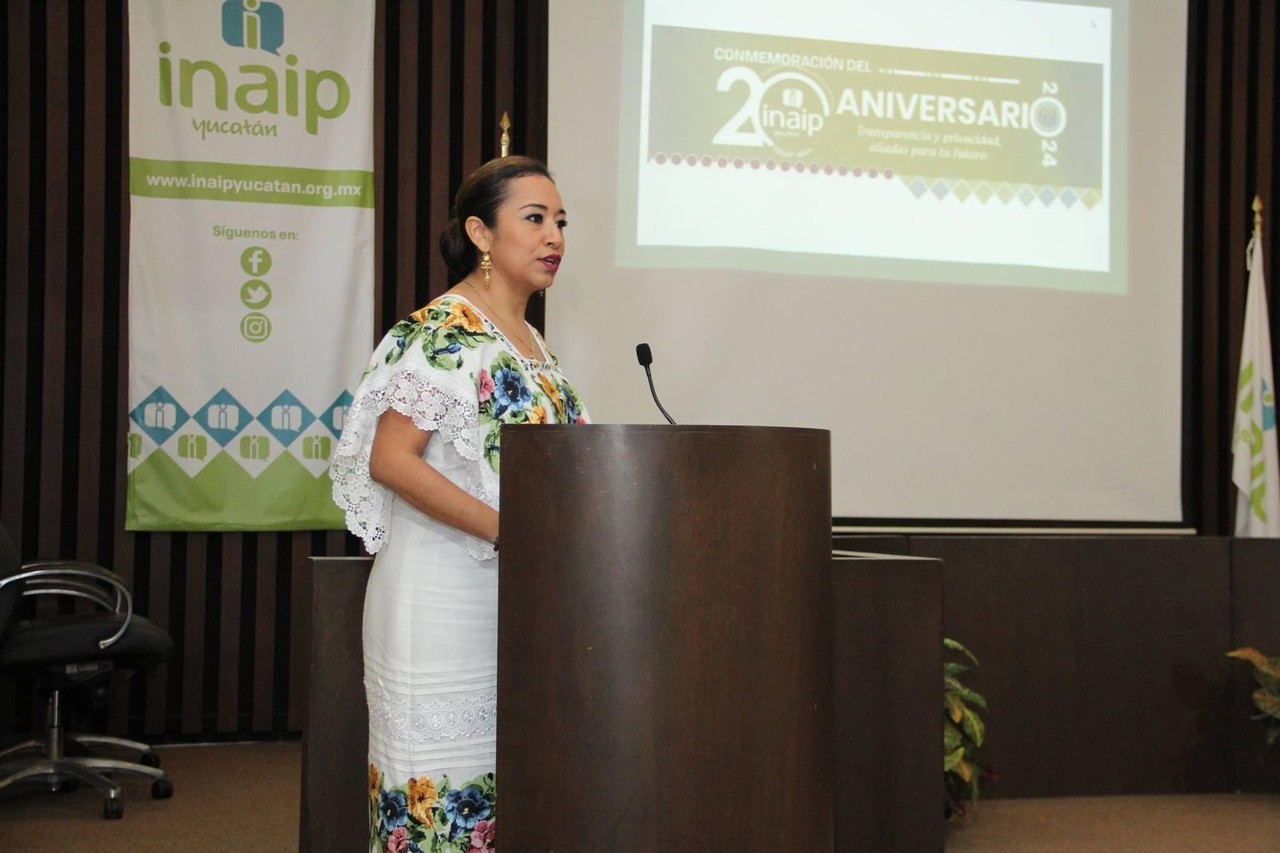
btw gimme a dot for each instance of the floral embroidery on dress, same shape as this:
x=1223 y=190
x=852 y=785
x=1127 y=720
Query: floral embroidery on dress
x=443 y=329
x=447 y=326
x=423 y=816
x=425 y=368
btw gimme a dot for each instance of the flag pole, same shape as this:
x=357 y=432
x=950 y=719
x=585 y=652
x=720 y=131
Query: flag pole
x=1255 y=457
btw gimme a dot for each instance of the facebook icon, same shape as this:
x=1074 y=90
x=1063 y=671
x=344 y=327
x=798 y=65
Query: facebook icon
x=255 y=24
x=255 y=261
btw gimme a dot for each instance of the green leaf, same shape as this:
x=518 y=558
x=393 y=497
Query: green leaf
x=1263 y=664
x=1266 y=670
x=974 y=728
x=957 y=647
x=963 y=730
x=1267 y=702
x=956 y=689
x=1266 y=682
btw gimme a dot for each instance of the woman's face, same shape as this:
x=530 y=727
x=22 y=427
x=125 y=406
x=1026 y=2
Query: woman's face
x=527 y=243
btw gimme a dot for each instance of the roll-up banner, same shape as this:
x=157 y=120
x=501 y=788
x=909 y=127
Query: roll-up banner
x=250 y=256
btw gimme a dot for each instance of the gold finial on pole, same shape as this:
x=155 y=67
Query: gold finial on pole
x=506 y=137
x=1257 y=213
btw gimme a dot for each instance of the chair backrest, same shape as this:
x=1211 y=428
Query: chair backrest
x=10 y=593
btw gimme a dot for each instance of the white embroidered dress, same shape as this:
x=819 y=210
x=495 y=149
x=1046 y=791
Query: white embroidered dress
x=430 y=616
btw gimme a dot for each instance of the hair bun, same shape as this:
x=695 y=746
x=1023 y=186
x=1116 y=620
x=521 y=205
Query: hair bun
x=459 y=253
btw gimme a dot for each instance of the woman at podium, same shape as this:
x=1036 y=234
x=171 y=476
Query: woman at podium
x=417 y=474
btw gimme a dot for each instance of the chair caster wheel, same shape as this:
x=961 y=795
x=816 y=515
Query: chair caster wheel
x=150 y=759
x=112 y=809
x=161 y=789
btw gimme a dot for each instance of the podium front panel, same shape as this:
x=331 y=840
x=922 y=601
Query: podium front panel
x=664 y=674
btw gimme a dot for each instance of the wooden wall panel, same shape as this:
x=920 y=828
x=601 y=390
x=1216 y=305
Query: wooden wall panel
x=94 y=406
x=18 y=287
x=229 y=659
x=50 y=307
x=1255 y=621
x=228 y=599
x=886 y=661
x=471 y=80
x=405 y=194
x=1103 y=659
x=439 y=187
x=192 y=674
x=334 y=814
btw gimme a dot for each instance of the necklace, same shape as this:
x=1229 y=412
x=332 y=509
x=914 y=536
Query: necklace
x=528 y=347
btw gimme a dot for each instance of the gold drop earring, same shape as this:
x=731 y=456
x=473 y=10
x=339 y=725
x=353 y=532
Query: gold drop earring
x=486 y=264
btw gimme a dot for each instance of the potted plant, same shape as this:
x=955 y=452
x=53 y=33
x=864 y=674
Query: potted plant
x=1266 y=671
x=962 y=733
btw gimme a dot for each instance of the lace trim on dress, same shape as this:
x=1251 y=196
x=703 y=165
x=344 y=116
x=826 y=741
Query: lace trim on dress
x=433 y=407
x=430 y=722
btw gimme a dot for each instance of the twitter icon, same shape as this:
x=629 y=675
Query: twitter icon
x=255 y=294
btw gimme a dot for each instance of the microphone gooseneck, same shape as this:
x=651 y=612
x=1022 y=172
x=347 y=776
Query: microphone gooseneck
x=644 y=355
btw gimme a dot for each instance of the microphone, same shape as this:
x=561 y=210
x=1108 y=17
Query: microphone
x=644 y=355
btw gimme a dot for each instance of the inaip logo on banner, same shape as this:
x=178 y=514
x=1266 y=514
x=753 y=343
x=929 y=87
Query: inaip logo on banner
x=271 y=90
x=254 y=24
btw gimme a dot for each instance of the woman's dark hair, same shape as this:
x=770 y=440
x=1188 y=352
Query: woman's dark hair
x=480 y=195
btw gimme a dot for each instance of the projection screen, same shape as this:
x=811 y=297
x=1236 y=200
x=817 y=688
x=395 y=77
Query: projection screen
x=949 y=232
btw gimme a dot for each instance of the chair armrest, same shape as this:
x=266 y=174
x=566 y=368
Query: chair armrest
x=79 y=579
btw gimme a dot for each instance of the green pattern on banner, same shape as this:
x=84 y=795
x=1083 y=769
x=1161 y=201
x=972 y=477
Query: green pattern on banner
x=245 y=182
x=223 y=496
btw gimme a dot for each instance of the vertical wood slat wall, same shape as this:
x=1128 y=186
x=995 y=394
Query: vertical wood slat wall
x=1232 y=142
x=445 y=70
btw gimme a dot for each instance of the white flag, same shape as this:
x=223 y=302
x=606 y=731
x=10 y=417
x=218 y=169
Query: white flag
x=1255 y=466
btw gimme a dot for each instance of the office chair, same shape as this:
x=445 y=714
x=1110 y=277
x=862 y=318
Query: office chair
x=70 y=650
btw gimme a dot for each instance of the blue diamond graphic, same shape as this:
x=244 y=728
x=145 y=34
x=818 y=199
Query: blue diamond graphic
x=335 y=417
x=223 y=417
x=285 y=418
x=159 y=415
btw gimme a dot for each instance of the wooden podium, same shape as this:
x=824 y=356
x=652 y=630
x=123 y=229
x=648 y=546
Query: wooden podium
x=664 y=643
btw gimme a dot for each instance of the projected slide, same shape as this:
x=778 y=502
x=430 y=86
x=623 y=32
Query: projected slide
x=896 y=140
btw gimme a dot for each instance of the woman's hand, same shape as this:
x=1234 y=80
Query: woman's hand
x=396 y=462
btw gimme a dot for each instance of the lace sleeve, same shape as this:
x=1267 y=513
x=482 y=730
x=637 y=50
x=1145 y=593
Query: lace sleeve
x=432 y=401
